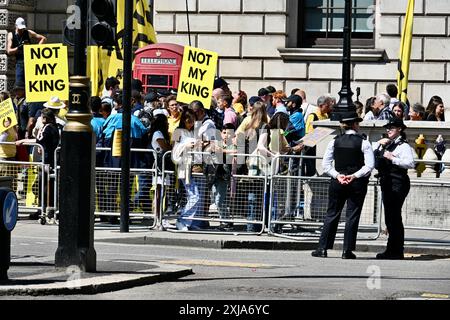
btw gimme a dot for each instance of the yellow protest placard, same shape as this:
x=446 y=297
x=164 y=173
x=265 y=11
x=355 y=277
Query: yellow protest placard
x=46 y=72
x=197 y=76
x=8 y=117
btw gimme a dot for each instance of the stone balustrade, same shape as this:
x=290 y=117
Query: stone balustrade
x=429 y=131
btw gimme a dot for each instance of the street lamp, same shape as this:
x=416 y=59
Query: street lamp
x=345 y=104
x=77 y=178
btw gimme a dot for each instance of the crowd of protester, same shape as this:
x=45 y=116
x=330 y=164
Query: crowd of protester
x=267 y=124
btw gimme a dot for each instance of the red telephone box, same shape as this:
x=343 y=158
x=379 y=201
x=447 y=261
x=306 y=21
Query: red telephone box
x=158 y=66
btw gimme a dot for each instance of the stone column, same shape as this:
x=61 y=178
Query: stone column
x=446 y=158
x=429 y=172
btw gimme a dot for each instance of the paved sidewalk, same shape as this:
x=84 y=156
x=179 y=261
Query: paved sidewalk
x=416 y=241
x=32 y=276
x=40 y=277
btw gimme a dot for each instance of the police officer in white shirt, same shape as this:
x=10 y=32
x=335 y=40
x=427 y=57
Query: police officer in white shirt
x=353 y=162
x=393 y=158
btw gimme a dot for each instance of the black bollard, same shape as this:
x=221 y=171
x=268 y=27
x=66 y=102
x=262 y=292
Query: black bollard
x=8 y=219
x=77 y=183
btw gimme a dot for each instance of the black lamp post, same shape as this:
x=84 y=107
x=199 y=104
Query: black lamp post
x=77 y=179
x=126 y=118
x=345 y=104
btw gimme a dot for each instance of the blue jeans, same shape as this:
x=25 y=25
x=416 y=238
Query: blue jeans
x=20 y=71
x=194 y=205
x=218 y=197
x=251 y=214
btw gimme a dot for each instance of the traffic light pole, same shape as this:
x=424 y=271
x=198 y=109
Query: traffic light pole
x=126 y=118
x=77 y=200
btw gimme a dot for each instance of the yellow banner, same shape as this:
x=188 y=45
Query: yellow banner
x=46 y=72
x=405 y=53
x=8 y=117
x=197 y=76
x=102 y=64
x=117 y=143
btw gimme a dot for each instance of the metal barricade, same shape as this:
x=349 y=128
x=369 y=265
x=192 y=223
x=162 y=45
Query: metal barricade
x=143 y=203
x=298 y=204
x=29 y=180
x=142 y=194
x=427 y=206
x=236 y=207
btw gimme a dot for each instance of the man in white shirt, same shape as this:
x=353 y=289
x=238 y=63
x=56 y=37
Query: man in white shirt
x=353 y=160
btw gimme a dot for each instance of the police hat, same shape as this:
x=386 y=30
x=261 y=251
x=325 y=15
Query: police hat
x=395 y=122
x=349 y=117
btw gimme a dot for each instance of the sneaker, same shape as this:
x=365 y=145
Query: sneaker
x=226 y=226
x=166 y=224
x=181 y=226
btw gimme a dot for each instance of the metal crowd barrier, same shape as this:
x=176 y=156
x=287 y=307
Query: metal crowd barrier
x=427 y=206
x=298 y=204
x=107 y=190
x=291 y=205
x=29 y=180
x=243 y=206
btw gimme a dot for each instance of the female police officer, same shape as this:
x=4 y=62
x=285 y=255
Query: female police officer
x=393 y=159
x=353 y=162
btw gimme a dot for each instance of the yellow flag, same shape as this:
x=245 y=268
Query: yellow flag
x=143 y=32
x=93 y=70
x=103 y=63
x=405 y=53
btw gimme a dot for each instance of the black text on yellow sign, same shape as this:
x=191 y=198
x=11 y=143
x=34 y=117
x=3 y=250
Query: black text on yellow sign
x=8 y=117
x=46 y=72
x=197 y=76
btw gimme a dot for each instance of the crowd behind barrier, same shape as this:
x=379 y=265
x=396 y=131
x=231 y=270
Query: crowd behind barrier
x=271 y=184
x=279 y=200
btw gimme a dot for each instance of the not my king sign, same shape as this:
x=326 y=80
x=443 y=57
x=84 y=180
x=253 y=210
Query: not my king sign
x=197 y=76
x=46 y=72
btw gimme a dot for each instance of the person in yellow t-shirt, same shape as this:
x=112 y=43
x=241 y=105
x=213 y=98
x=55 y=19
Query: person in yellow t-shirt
x=324 y=105
x=174 y=113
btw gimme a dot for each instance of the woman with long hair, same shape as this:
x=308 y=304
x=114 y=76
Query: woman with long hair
x=239 y=101
x=185 y=142
x=253 y=141
x=435 y=109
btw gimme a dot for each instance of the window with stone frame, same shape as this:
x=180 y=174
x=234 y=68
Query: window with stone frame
x=320 y=23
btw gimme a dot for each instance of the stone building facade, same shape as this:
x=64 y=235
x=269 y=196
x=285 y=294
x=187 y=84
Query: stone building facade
x=254 y=39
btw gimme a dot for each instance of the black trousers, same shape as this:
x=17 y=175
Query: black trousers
x=394 y=191
x=354 y=194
